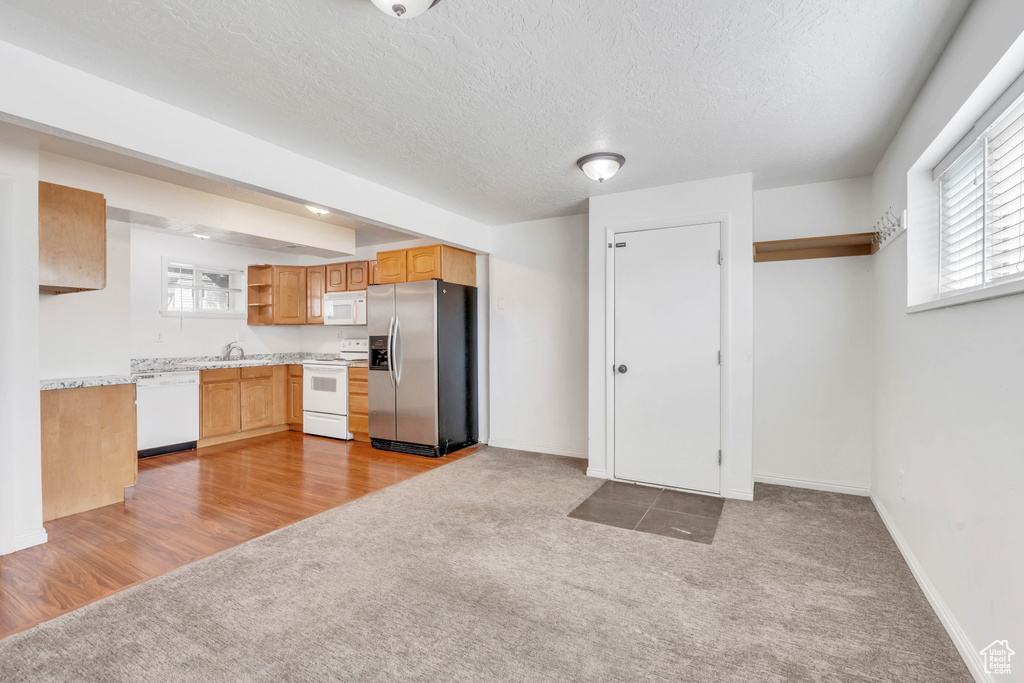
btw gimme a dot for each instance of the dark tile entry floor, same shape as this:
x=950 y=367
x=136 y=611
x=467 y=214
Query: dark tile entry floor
x=653 y=510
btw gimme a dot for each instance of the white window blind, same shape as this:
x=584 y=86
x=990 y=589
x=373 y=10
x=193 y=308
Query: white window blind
x=982 y=224
x=200 y=290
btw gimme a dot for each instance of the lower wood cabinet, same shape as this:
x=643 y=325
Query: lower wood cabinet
x=89 y=448
x=358 y=404
x=295 y=397
x=244 y=402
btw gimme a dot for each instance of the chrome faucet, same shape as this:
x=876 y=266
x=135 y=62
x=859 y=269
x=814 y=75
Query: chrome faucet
x=230 y=349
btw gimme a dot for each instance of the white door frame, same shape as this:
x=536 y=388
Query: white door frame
x=610 y=231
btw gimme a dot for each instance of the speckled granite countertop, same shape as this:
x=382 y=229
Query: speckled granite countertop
x=84 y=382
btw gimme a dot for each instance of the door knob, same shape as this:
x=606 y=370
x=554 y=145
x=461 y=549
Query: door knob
x=622 y=369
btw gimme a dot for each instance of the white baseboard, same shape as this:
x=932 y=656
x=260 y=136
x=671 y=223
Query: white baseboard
x=25 y=541
x=968 y=652
x=811 y=484
x=600 y=474
x=536 y=448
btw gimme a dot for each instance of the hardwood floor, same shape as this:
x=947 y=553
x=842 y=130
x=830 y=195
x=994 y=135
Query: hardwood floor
x=187 y=506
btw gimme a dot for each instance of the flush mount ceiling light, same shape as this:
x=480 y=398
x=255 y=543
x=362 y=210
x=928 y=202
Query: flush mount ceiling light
x=318 y=211
x=601 y=165
x=404 y=9
x=202 y=237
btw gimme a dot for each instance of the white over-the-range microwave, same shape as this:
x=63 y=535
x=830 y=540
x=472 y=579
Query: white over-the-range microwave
x=345 y=308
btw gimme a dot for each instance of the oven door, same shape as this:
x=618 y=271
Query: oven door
x=325 y=389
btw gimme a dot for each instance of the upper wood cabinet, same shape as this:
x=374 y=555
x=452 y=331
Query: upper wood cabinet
x=373 y=273
x=337 y=278
x=289 y=295
x=434 y=262
x=316 y=280
x=391 y=267
x=72 y=240
x=358 y=274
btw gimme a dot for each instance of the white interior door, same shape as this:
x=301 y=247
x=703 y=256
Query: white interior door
x=666 y=350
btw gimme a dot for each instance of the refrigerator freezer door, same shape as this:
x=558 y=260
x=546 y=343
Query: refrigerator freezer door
x=415 y=362
x=380 y=316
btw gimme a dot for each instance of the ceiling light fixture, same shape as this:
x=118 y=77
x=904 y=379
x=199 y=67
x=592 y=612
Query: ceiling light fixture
x=318 y=211
x=601 y=165
x=403 y=9
x=202 y=237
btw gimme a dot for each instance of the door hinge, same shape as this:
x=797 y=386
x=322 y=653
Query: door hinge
x=609 y=245
x=719 y=457
x=719 y=357
x=719 y=257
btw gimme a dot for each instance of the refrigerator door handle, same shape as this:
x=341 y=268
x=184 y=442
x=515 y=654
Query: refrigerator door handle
x=398 y=349
x=391 y=357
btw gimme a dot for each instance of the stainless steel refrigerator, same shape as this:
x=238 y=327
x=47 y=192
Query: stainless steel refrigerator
x=423 y=367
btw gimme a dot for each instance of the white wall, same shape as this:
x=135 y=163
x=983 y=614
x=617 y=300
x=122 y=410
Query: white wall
x=189 y=336
x=813 y=342
x=21 y=507
x=88 y=333
x=539 y=336
x=729 y=200
x=948 y=381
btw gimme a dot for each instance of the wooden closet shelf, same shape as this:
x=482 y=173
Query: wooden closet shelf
x=831 y=246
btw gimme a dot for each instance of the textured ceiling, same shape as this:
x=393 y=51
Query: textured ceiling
x=483 y=106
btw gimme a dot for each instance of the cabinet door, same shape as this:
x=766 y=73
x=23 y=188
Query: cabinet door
x=295 y=400
x=373 y=273
x=289 y=295
x=424 y=263
x=220 y=408
x=316 y=279
x=358 y=275
x=391 y=267
x=72 y=239
x=257 y=404
x=337 y=277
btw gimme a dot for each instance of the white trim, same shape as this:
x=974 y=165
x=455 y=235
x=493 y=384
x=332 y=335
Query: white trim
x=981 y=294
x=968 y=652
x=600 y=474
x=23 y=541
x=812 y=484
x=722 y=219
x=535 y=448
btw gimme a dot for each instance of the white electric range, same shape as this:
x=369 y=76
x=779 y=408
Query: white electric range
x=325 y=390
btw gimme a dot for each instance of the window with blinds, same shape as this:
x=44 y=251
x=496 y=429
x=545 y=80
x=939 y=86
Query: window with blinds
x=982 y=217
x=201 y=290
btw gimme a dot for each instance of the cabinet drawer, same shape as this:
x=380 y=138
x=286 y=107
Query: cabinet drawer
x=218 y=375
x=358 y=404
x=359 y=423
x=357 y=374
x=256 y=373
x=355 y=387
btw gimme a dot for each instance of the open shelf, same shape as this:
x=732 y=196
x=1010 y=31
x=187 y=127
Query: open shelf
x=859 y=244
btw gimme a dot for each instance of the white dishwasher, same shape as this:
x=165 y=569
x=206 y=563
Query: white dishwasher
x=167 y=412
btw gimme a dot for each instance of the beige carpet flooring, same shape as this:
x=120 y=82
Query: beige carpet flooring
x=473 y=572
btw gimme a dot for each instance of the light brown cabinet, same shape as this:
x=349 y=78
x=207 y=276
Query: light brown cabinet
x=373 y=273
x=89 y=448
x=220 y=405
x=391 y=267
x=257 y=398
x=316 y=283
x=358 y=274
x=337 y=277
x=72 y=240
x=295 y=397
x=289 y=295
x=434 y=262
x=358 y=404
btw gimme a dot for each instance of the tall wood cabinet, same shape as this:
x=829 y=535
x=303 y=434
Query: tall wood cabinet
x=72 y=240
x=289 y=295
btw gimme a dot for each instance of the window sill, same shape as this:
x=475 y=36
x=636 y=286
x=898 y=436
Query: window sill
x=1005 y=289
x=212 y=316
